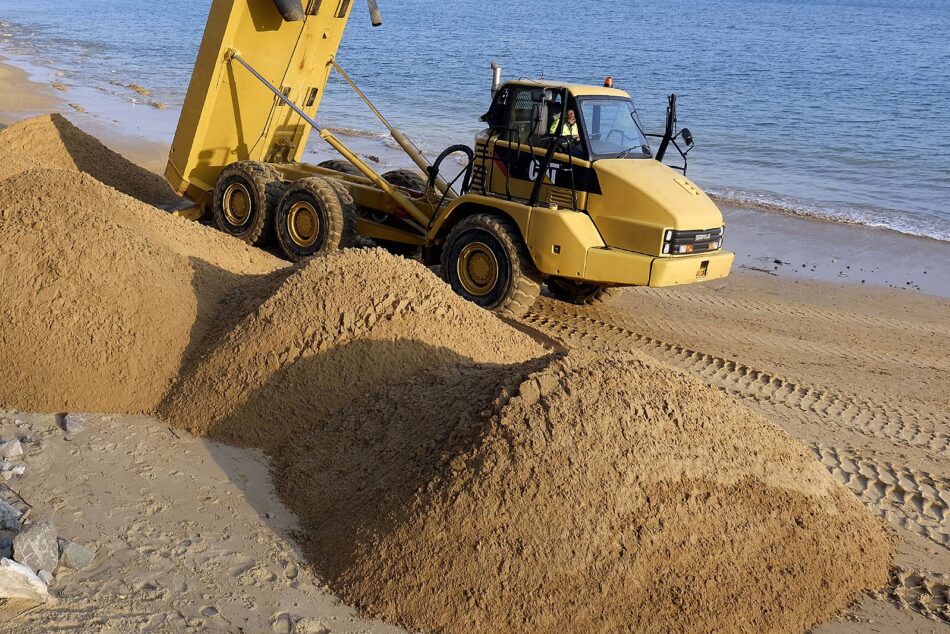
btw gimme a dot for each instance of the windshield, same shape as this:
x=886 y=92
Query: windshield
x=612 y=128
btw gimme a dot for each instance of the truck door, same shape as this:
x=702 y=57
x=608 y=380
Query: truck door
x=512 y=155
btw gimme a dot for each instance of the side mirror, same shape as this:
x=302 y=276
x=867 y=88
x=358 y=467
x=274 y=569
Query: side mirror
x=687 y=136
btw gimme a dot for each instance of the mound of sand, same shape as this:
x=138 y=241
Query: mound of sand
x=104 y=296
x=580 y=494
x=96 y=317
x=332 y=332
x=52 y=141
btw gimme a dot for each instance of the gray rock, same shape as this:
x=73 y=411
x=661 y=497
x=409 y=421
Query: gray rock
x=19 y=582
x=9 y=517
x=11 y=449
x=75 y=423
x=75 y=556
x=45 y=576
x=36 y=547
x=6 y=547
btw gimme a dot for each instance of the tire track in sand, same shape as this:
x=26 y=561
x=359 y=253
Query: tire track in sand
x=574 y=326
x=747 y=306
x=914 y=500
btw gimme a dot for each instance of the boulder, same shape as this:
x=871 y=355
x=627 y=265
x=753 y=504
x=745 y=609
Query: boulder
x=19 y=582
x=37 y=548
x=75 y=556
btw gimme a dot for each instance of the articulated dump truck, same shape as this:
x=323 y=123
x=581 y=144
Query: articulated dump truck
x=561 y=188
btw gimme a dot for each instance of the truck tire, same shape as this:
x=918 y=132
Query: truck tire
x=344 y=167
x=486 y=261
x=314 y=215
x=245 y=198
x=406 y=179
x=580 y=293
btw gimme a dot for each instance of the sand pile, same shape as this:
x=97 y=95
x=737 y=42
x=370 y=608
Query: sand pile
x=332 y=332
x=579 y=494
x=52 y=141
x=104 y=296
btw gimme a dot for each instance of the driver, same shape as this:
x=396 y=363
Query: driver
x=571 y=128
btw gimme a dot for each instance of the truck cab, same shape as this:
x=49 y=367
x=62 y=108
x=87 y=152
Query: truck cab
x=603 y=211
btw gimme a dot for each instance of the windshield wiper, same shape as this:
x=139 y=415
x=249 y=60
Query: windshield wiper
x=645 y=149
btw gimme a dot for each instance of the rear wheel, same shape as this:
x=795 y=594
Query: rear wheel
x=408 y=180
x=315 y=215
x=416 y=185
x=486 y=262
x=344 y=167
x=245 y=198
x=580 y=293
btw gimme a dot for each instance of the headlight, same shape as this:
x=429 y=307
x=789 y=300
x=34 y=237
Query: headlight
x=685 y=242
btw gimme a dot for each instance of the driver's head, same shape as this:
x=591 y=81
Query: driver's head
x=609 y=82
x=571 y=117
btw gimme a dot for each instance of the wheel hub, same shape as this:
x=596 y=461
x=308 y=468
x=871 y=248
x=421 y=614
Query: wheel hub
x=237 y=204
x=303 y=224
x=478 y=269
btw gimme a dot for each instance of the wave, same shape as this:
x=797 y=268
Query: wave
x=358 y=133
x=902 y=222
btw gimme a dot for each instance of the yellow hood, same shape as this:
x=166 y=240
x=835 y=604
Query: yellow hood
x=641 y=198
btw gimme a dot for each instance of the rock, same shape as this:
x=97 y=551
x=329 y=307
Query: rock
x=310 y=625
x=11 y=449
x=19 y=582
x=37 y=548
x=6 y=547
x=75 y=556
x=74 y=424
x=9 y=517
x=45 y=576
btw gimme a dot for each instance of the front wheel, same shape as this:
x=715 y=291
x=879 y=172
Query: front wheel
x=580 y=293
x=485 y=260
x=314 y=216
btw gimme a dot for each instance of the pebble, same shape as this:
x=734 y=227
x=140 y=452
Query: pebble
x=45 y=576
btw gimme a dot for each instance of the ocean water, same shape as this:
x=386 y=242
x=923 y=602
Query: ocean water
x=834 y=108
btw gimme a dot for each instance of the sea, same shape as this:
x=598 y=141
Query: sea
x=838 y=109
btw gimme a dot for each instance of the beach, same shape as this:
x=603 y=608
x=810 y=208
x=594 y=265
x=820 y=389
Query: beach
x=836 y=333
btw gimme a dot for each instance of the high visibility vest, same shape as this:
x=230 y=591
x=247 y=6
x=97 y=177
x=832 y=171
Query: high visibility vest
x=569 y=129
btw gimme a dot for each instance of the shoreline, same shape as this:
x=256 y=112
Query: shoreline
x=766 y=242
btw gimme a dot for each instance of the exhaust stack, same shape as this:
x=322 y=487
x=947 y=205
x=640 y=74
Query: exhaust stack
x=374 y=13
x=495 y=77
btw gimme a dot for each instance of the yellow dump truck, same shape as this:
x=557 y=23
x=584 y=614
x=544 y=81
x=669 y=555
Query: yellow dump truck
x=561 y=189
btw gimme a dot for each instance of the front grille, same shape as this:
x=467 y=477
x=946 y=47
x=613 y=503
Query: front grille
x=690 y=242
